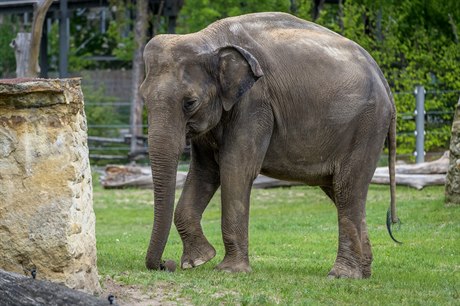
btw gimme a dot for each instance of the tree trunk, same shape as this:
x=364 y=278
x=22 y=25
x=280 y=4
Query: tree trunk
x=140 y=38
x=16 y=289
x=293 y=7
x=317 y=6
x=340 y=17
x=453 y=173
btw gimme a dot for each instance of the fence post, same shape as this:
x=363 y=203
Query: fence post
x=419 y=124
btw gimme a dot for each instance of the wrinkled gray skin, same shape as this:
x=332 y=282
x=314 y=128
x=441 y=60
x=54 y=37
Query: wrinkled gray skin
x=263 y=93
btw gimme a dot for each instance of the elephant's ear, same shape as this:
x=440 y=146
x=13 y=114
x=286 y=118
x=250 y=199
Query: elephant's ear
x=238 y=71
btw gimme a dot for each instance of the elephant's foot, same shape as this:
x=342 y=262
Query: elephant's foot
x=233 y=266
x=367 y=271
x=343 y=271
x=197 y=255
x=366 y=263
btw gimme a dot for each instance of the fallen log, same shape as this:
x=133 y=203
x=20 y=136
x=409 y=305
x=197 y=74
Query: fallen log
x=416 y=176
x=417 y=181
x=438 y=166
x=116 y=176
x=16 y=289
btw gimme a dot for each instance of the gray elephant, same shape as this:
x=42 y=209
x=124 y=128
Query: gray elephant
x=263 y=93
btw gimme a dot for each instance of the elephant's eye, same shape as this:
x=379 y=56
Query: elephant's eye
x=190 y=104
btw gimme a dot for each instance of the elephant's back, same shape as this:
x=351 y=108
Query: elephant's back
x=280 y=26
x=267 y=22
x=281 y=36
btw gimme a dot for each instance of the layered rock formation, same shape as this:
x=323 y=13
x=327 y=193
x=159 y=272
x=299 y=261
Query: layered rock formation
x=47 y=221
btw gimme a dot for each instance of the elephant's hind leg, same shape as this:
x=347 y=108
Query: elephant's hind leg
x=354 y=254
x=366 y=249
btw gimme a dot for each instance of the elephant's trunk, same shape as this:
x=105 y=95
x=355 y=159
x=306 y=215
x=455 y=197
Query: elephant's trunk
x=165 y=148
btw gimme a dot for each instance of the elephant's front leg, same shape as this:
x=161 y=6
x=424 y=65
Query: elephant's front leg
x=201 y=184
x=239 y=167
x=236 y=190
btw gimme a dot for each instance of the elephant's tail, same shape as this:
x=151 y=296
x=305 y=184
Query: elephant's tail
x=391 y=214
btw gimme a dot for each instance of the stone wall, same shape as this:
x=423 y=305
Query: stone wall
x=453 y=173
x=46 y=214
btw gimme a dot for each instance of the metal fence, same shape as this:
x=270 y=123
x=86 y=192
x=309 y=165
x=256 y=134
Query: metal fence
x=427 y=122
x=109 y=139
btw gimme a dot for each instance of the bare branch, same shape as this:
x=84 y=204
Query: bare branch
x=41 y=7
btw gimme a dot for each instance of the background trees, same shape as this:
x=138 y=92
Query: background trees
x=414 y=42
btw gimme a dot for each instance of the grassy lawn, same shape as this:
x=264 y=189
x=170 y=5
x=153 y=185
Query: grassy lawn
x=293 y=241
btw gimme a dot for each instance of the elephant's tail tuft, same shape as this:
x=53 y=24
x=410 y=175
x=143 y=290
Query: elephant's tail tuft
x=391 y=215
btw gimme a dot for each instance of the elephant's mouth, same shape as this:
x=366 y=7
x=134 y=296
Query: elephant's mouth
x=195 y=129
x=190 y=130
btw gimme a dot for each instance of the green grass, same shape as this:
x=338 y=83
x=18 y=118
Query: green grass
x=292 y=245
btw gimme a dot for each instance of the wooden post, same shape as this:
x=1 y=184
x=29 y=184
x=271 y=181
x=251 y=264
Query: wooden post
x=21 y=46
x=140 y=37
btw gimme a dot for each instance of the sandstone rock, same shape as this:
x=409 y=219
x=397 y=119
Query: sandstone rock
x=453 y=173
x=46 y=214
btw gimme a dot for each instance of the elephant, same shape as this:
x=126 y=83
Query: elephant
x=263 y=93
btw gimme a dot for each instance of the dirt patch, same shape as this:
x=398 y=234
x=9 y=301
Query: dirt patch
x=136 y=295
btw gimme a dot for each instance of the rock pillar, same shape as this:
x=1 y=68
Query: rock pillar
x=453 y=172
x=47 y=220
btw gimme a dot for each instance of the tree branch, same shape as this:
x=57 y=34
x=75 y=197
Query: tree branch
x=41 y=7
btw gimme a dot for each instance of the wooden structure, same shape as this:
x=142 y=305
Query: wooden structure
x=167 y=8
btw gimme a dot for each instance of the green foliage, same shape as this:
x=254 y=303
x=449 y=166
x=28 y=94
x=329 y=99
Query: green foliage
x=120 y=31
x=197 y=14
x=7 y=58
x=124 y=49
x=99 y=111
x=104 y=119
x=415 y=42
x=87 y=39
x=77 y=60
x=292 y=246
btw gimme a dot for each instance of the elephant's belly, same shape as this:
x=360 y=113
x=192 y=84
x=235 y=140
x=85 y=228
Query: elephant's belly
x=312 y=173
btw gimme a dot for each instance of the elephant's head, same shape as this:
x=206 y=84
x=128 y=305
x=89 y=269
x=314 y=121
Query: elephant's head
x=189 y=84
